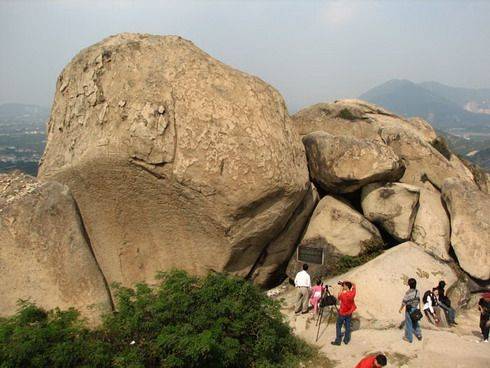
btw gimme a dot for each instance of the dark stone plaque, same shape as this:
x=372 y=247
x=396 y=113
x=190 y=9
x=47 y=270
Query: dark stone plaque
x=310 y=255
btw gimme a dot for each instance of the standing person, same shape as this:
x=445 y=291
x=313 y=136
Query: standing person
x=347 y=307
x=303 y=282
x=445 y=304
x=484 y=308
x=316 y=294
x=373 y=361
x=411 y=302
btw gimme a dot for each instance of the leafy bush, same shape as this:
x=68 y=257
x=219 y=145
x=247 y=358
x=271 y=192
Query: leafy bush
x=346 y=114
x=184 y=321
x=346 y=263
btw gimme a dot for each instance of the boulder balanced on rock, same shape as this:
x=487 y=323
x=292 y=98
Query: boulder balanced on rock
x=344 y=164
x=393 y=206
x=341 y=231
x=469 y=210
x=431 y=228
x=175 y=159
x=45 y=257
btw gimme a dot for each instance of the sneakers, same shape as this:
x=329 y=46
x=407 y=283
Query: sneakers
x=405 y=339
x=419 y=337
x=337 y=343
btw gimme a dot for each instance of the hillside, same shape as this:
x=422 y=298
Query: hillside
x=442 y=106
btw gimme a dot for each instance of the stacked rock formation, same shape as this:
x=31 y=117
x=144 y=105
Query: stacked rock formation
x=404 y=199
x=160 y=157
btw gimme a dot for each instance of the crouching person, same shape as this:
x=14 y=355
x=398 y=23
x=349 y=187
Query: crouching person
x=373 y=361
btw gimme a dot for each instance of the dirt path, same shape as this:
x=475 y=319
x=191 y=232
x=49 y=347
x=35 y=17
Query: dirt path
x=458 y=347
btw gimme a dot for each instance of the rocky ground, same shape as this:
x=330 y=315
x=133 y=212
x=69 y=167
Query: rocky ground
x=440 y=347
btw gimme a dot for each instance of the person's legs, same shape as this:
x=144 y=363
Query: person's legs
x=417 y=330
x=449 y=312
x=347 y=320
x=299 y=301
x=338 y=329
x=408 y=327
x=306 y=297
x=485 y=327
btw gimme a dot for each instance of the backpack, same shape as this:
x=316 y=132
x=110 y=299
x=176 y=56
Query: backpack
x=328 y=300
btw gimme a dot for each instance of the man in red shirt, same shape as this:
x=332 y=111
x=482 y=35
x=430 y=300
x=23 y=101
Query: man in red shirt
x=372 y=361
x=347 y=307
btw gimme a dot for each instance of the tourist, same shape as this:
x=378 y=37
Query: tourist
x=484 y=308
x=372 y=361
x=445 y=304
x=411 y=303
x=316 y=294
x=347 y=307
x=430 y=303
x=303 y=282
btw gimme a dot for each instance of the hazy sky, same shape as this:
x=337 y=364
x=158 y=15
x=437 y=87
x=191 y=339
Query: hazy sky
x=311 y=51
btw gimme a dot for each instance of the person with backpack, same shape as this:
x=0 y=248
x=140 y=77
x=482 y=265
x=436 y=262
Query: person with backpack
x=373 y=361
x=430 y=302
x=316 y=295
x=347 y=307
x=484 y=308
x=411 y=304
x=445 y=304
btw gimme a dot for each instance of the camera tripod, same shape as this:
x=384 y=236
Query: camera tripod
x=333 y=311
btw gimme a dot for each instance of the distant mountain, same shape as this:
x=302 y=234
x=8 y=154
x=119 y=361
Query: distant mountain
x=474 y=100
x=445 y=107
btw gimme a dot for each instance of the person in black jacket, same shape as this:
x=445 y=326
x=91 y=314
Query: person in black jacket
x=445 y=304
x=484 y=308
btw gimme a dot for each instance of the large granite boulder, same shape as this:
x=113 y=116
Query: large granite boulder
x=344 y=164
x=382 y=282
x=270 y=269
x=358 y=119
x=422 y=161
x=392 y=205
x=469 y=210
x=45 y=256
x=175 y=159
x=431 y=229
x=341 y=231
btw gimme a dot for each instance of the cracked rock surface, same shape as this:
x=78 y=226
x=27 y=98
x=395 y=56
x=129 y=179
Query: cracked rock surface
x=44 y=254
x=174 y=158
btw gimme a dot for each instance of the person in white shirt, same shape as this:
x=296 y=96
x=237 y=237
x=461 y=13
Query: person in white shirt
x=303 y=282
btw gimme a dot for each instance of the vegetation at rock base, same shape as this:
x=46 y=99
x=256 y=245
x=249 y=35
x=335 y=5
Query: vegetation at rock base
x=183 y=321
x=345 y=262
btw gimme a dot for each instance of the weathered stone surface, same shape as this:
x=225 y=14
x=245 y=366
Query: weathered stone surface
x=469 y=210
x=44 y=255
x=422 y=161
x=431 y=229
x=357 y=119
x=271 y=267
x=382 y=282
x=345 y=164
x=393 y=206
x=423 y=129
x=175 y=159
x=340 y=230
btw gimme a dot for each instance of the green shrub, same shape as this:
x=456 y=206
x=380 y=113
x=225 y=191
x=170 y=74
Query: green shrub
x=346 y=114
x=217 y=321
